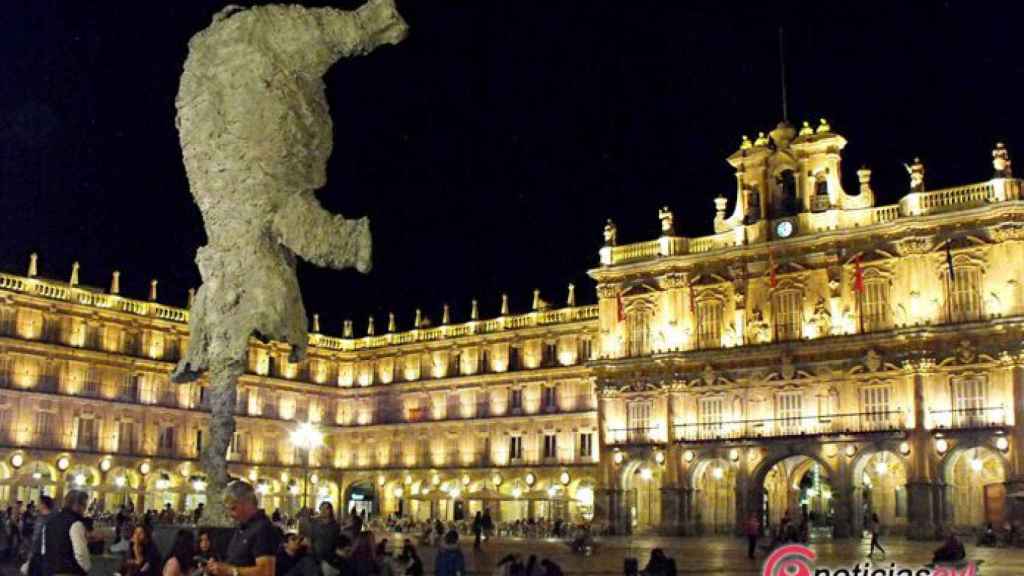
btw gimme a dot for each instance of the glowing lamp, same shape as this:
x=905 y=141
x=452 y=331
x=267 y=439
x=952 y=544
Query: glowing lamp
x=105 y=465
x=881 y=468
x=381 y=480
x=689 y=455
x=63 y=463
x=455 y=493
x=517 y=492
x=659 y=457
x=552 y=491
x=398 y=492
x=120 y=481
x=850 y=451
x=942 y=445
x=530 y=478
x=79 y=479
x=564 y=478
x=435 y=480
x=408 y=479
x=904 y=448
x=734 y=454
x=18 y=460
x=717 y=473
x=314 y=478
x=977 y=464
x=618 y=457
x=496 y=480
x=1002 y=444
x=199 y=485
x=646 y=474
x=465 y=480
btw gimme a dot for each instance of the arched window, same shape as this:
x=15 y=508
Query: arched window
x=787 y=314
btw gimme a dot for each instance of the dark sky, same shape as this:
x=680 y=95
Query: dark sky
x=490 y=146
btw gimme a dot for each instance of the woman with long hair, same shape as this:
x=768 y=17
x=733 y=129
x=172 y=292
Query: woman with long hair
x=143 y=558
x=182 y=557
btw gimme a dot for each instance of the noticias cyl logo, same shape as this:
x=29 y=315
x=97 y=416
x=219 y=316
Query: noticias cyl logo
x=798 y=560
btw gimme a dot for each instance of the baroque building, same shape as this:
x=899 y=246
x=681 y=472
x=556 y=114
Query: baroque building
x=817 y=356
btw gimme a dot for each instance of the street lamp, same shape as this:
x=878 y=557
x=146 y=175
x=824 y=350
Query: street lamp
x=307 y=437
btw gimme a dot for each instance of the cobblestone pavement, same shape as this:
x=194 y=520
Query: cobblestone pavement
x=717 y=555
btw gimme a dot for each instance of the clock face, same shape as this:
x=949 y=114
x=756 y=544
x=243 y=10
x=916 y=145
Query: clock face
x=784 y=229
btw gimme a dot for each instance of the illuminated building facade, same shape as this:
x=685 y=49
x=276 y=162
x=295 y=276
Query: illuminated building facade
x=818 y=355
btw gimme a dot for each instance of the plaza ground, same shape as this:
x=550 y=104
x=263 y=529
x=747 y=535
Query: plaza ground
x=718 y=555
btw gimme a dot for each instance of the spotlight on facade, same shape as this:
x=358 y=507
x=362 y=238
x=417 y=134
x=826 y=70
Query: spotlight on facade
x=381 y=480
x=977 y=464
x=659 y=457
x=105 y=465
x=466 y=480
x=120 y=481
x=398 y=492
x=904 y=448
x=942 y=445
x=564 y=478
x=455 y=493
x=80 y=479
x=689 y=455
x=408 y=479
x=552 y=491
x=1002 y=443
x=18 y=460
x=881 y=467
x=517 y=492
x=314 y=478
x=530 y=478
x=63 y=463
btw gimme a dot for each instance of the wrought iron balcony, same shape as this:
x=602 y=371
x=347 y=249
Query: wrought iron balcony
x=821 y=425
x=980 y=418
x=632 y=436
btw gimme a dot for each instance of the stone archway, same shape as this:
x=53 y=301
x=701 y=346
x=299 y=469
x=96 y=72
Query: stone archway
x=975 y=487
x=714 y=484
x=880 y=487
x=795 y=488
x=641 y=485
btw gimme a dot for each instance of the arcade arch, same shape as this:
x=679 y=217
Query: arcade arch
x=975 y=491
x=714 y=483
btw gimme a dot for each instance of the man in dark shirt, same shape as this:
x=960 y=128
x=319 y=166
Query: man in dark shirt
x=293 y=559
x=253 y=547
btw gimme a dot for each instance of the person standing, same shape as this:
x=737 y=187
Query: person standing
x=253 y=547
x=64 y=547
x=325 y=538
x=478 y=529
x=752 y=528
x=873 y=528
x=35 y=564
x=449 y=560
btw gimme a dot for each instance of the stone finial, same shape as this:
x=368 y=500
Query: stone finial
x=864 y=177
x=369 y=327
x=916 y=172
x=115 y=282
x=823 y=127
x=762 y=140
x=668 y=227
x=152 y=289
x=445 y=315
x=611 y=233
x=745 y=143
x=392 y=325
x=316 y=323
x=536 y=300
x=418 y=321
x=474 y=312
x=1001 y=161
x=504 y=304
x=720 y=203
x=191 y=297
x=805 y=129
x=571 y=300
x=74 y=274
x=346 y=330
x=33 y=265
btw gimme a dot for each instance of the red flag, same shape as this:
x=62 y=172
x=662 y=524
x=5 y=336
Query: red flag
x=772 y=280
x=622 y=308
x=858 y=275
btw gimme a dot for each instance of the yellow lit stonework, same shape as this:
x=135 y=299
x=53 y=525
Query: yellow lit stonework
x=816 y=352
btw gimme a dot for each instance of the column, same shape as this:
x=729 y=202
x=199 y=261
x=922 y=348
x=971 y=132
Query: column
x=842 y=498
x=922 y=492
x=670 y=476
x=745 y=491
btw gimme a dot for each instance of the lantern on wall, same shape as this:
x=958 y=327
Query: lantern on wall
x=17 y=460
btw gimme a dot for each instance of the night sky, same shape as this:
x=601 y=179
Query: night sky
x=490 y=146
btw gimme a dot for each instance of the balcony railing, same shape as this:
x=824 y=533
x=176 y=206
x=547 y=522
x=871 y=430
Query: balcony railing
x=969 y=418
x=822 y=425
x=632 y=436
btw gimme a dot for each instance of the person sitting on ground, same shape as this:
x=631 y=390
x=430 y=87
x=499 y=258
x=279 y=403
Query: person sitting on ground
x=181 y=560
x=988 y=538
x=659 y=564
x=449 y=560
x=950 y=551
x=550 y=568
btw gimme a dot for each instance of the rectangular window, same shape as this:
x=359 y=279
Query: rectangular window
x=964 y=294
x=515 y=448
x=709 y=324
x=166 y=441
x=875 y=305
x=790 y=410
x=550 y=354
x=6 y=428
x=586 y=349
x=969 y=402
x=550 y=446
x=127 y=441
x=485 y=363
x=88 y=434
x=875 y=404
x=515 y=399
x=46 y=429
x=587 y=444
x=199 y=442
x=710 y=416
x=638 y=421
x=549 y=399
x=787 y=312
x=638 y=327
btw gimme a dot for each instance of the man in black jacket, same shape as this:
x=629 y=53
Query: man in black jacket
x=65 y=549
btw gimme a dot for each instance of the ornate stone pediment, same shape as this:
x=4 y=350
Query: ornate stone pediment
x=873 y=361
x=914 y=245
x=1008 y=231
x=966 y=353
